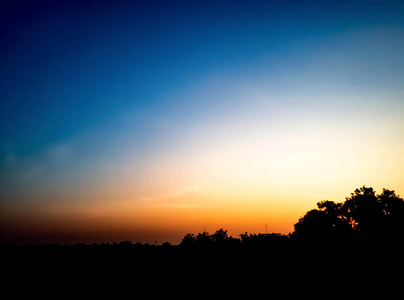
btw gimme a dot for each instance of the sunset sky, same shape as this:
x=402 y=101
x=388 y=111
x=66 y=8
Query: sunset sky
x=148 y=120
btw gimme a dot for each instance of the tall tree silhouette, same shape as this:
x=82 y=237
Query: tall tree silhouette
x=393 y=212
x=363 y=213
x=326 y=222
x=364 y=210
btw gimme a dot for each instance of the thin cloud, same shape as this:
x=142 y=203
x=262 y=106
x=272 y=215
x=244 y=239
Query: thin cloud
x=164 y=200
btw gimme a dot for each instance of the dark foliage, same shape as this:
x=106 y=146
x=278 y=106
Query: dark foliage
x=358 y=239
x=219 y=239
x=364 y=216
x=364 y=221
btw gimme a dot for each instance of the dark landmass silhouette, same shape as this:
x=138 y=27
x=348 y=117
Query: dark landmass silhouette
x=355 y=232
x=363 y=217
x=330 y=252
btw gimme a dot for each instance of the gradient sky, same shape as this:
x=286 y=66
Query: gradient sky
x=146 y=120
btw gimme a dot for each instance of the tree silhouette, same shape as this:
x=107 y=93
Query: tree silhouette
x=364 y=210
x=188 y=240
x=220 y=237
x=203 y=239
x=363 y=213
x=393 y=212
x=326 y=222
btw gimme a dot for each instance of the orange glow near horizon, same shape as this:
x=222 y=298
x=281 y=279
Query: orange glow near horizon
x=168 y=217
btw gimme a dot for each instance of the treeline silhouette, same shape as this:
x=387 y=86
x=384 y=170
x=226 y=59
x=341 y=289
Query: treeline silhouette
x=364 y=217
x=364 y=234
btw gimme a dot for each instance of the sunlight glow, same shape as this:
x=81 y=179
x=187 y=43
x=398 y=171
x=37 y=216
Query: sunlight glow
x=145 y=120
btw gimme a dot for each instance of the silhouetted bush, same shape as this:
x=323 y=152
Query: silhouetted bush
x=364 y=215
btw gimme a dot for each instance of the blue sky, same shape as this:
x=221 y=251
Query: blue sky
x=72 y=65
x=97 y=92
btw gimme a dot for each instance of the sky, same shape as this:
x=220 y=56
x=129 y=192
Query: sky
x=148 y=120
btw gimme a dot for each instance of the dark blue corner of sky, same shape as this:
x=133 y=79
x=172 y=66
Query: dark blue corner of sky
x=69 y=65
